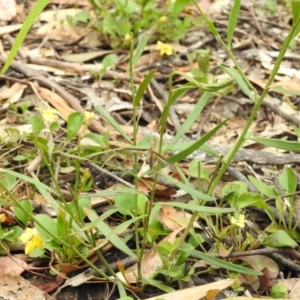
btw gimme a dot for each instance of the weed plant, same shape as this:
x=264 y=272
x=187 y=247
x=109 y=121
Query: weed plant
x=70 y=239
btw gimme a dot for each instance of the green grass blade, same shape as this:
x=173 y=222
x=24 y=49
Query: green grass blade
x=280 y=144
x=139 y=50
x=186 y=152
x=33 y=14
x=223 y=264
x=234 y=13
x=112 y=122
x=200 y=209
x=142 y=88
x=239 y=80
x=188 y=188
x=191 y=118
x=45 y=190
x=109 y=234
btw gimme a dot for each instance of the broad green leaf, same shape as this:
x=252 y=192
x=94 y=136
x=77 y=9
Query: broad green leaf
x=279 y=239
x=74 y=122
x=45 y=225
x=178 y=7
x=288 y=180
x=263 y=188
x=8 y=181
x=223 y=264
x=127 y=206
x=234 y=14
x=109 y=60
x=280 y=144
x=142 y=88
x=186 y=152
x=113 y=123
x=23 y=216
x=33 y=14
x=36 y=123
x=251 y=199
x=239 y=80
x=191 y=118
x=139 y=50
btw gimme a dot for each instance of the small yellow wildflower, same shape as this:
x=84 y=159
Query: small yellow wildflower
x=49 y=115
x=163 y=20
x=127 y=39
x=2 y=218
x=31 y=239
x=89 y=116
x=240 y=222
x=164 y=48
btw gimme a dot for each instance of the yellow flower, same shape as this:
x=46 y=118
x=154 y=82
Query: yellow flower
x=49 y=115
x=163 y=19
x=31 y=239
x=240 y=222
x=2 y=218
x=164 y=48
x=127 y=39
x=89 y=116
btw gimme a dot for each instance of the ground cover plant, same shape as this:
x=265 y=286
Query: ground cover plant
x=118 y=193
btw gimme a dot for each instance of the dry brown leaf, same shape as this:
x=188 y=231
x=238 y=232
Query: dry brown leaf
x=56 y=101
x=196 y=292
x=174 y=219
x=12 y=265
x=17 y=288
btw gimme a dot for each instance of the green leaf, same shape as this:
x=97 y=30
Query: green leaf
x=282 y=90
x=279 y=239
x=223 y=264
x=33 y=14
x=263 y=188
x=186 y=126
x=47 y=223
x=178 y=7
x=139 y=50
x=24 y=217
x=211 y=27
x=74 y=123
x=127 y=206
x=296 y=17
x=8 y=181
x=109 y=233
x=158 y=284
x=142 y=88
x=36 y=123
x=279 y=291
x=251 y=199
x=240 y=81
x=201 y=209
x=288 y=180
x=280 y=144
x=112 y=122
x=234 y=13
x=186 y=152
x=41 y=187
